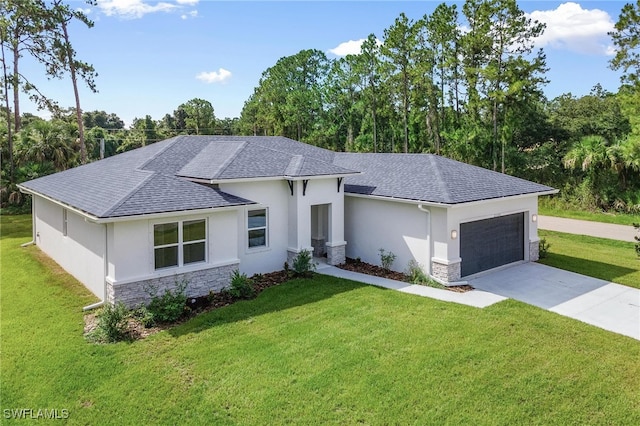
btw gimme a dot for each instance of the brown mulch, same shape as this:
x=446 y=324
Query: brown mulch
x=355 y=265
x=195 y=306
x=199 y=305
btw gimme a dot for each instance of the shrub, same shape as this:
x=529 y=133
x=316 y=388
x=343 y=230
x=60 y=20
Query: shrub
x=241 y=286
x=112 y=323
x=637 y=238
x=544 y=248
x=170 y=306
x=415 y=273
x=303 y=264
x=386 y=259
x=143 y=315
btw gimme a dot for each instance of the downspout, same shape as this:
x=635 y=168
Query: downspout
x=106 y=273
x=428 y=212
x=33 y=224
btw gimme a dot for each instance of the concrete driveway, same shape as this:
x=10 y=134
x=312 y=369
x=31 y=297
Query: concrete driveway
x=612 y=307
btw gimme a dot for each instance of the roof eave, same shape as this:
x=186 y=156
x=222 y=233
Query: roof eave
x=86 y=215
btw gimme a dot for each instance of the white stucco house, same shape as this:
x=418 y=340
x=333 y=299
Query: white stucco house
x=196 y=208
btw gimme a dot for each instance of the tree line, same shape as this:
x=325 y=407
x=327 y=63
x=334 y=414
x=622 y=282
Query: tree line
x=466 y=83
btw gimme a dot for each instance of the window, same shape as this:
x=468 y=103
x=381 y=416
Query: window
x=64 y=222
x=257 y=228
x=179 y=243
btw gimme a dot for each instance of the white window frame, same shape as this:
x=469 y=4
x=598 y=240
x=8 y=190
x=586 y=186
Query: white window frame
x=180 y=244
x=265 y=227
x=65 y=222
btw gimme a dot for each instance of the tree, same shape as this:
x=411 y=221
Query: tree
x=398 y=46
x=199 y=117
x=64 y=59
x=626 y=38
x=370 y=68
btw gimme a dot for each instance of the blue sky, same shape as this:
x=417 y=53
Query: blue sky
x=151 y=56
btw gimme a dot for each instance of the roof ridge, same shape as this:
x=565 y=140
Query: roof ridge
x=153 y=157
x=241 y=146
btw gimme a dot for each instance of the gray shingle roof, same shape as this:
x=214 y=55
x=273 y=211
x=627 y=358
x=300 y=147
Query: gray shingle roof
x=429 y=178
x=151 y=180
x=155 y=178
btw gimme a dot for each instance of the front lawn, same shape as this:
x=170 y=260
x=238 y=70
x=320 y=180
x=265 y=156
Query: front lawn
x=610 y=260
x=311 y=351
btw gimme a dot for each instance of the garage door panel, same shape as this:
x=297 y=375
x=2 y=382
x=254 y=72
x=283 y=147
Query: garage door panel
x=489 y=243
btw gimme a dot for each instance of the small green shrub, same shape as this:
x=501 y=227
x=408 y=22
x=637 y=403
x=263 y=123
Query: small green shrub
x=637 y=238
x=112 y=323
x=543 y=248
x=241 y=286
x=303 y=264
x=386 y=258
x=415 y=273
x=143 y=315
x=169 y=306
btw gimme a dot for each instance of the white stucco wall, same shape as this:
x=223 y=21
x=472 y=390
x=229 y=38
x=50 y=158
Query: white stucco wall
x=372 y=224
x=131 y=255
x=494 y=208
x=80 y=252
x=272 y=195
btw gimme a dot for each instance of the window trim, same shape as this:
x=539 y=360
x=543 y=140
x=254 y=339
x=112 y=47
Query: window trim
x=65 y=222
x=265 y=227
x=180 y=243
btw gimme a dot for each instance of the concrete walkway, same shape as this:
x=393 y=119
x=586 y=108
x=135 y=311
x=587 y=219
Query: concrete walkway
x=475 y=298
x=584 y=227
x=610 y=306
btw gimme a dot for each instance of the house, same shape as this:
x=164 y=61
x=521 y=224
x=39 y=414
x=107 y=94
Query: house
x=195 y=208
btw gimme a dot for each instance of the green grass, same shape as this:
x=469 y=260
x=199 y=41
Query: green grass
x=610 y=260
x=551 y=207
x=319 y=351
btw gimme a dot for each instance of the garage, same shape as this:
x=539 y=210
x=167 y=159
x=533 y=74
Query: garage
x=489 y=243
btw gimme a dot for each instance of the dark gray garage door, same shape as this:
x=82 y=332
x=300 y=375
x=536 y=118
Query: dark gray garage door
x=489 y=243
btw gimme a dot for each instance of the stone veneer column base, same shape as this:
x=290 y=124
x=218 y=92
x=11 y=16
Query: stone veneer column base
x=336 y=254
x=199 y=283
x=318 y=245
x=445 y=272
x=534 y=251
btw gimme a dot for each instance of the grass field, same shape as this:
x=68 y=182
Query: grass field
x=602 y=258
x=550 y=207
x=319 y=351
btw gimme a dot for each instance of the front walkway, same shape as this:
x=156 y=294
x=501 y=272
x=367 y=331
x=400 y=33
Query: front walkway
x=585 y=227
x=476 y=298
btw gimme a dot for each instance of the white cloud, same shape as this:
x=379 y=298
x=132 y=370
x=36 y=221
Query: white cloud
x=132 y=9
x=351 y=47
x=570 y=27
x=192 y=14
x=188 y=2
x=219 y=76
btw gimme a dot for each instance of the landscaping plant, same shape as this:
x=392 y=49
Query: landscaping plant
x=241 y=286
x=386 y=258
x=169 y=306
x=303 y=264
x=112 y=323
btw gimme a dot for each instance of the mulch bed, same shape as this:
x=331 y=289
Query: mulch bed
x=378 y=271
x=195 y=306
x=199 y=305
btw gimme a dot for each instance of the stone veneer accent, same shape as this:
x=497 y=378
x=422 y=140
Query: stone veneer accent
x=336 y=255
x=445 y=273
x=200 y=283
x=318 y=245
x=534 y=251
